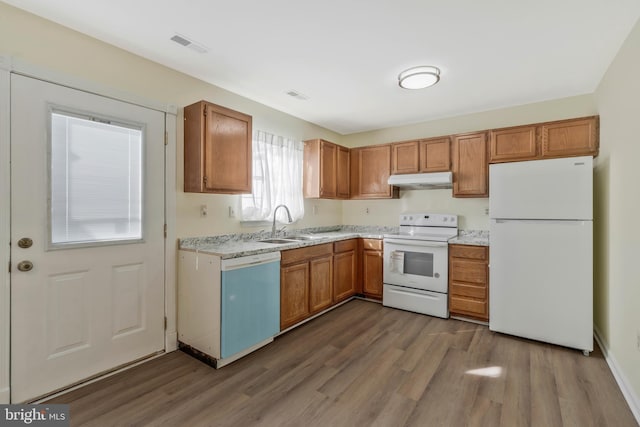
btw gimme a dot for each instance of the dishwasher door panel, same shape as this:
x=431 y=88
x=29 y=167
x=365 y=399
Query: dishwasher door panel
x=250 y=306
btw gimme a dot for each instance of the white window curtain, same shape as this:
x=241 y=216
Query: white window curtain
x=277 y=179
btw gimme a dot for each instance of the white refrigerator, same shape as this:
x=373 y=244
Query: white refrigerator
x=541 y=250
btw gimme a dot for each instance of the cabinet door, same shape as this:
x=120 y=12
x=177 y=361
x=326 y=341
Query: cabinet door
x=372 y=274
x=370 y=178
x=470 y=167
x=344 y=275
x=343 y=172
x=294 y=294
x=513 y=144
x=435 y=155
x=321 y=284
x=570 y=138
x=328 y=155
x=227 y=151
x=404 y=157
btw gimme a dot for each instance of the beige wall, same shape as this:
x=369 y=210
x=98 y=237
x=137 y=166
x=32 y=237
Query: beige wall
x=617 y=288
x=44 y=44
x=22 y=35
x=472 y=212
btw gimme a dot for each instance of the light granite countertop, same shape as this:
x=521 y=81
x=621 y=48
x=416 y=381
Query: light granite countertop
x=236 y=245
x=471 y=237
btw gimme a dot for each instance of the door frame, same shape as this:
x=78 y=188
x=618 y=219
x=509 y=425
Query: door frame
x=8 y=66
x=5 y=231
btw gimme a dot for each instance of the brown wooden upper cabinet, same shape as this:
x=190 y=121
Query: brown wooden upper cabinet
x=343 y=173
x=326 y=170
x=217 y=149
x=513 y=144
x=566 y=138
x=370 y=171
x=470 y=165
x=404 y=157
x=427 y=155
x=435 y=155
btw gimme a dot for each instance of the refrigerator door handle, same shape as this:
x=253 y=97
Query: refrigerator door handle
x=545 y=221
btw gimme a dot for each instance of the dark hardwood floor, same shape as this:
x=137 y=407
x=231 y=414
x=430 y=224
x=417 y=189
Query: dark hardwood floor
x=366 y=365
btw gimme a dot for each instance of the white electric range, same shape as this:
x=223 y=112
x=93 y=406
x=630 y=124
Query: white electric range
x=415 y=267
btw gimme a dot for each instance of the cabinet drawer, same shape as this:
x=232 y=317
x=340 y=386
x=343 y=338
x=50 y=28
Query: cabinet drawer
x=467 y=305
x=462 y=270
x=345 y=245
x=467 y=290
x=468 y=251
x=372 y=244
x=294 y=255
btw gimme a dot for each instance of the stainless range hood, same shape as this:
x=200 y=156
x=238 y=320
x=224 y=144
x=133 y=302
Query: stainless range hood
x=422 y=181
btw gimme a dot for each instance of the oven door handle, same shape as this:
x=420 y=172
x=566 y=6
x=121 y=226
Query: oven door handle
x=422 y=244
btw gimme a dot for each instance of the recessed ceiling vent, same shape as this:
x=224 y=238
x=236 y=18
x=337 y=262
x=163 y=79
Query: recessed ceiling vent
x=184 y=41
x=297 y=95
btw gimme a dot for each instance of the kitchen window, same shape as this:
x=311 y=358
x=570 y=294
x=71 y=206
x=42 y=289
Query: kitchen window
x=277 y=178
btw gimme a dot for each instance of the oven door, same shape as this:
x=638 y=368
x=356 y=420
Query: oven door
x=416 y=264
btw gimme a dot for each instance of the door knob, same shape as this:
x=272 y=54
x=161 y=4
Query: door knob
x=25 y=266
x=25 y=242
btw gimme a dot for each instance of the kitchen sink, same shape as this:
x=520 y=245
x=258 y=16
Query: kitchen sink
x=278 y=241
x=301 y=238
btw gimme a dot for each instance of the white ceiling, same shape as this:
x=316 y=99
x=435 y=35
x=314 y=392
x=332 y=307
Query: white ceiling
x=345 y=55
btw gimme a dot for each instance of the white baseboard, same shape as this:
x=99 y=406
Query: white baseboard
x=618 y=374
x=5 y=396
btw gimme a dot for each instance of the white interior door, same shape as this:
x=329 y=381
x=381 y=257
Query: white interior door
x=87 y=177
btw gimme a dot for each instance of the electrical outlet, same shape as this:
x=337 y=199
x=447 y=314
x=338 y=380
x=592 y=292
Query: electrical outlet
x=486 y=211
x=232 y=212
x=204 y=210
x=315 y=209
x=366 y=210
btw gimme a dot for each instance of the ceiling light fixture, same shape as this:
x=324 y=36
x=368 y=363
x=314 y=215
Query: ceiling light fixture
x=419 y=77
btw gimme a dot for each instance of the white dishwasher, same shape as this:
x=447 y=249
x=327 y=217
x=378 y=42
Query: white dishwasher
x=227 y=308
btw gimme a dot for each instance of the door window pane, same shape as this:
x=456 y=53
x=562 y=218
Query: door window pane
x=96 y=180
x=419 y=264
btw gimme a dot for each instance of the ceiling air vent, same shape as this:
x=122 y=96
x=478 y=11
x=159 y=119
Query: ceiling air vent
x=184 y=41
x=297 y=95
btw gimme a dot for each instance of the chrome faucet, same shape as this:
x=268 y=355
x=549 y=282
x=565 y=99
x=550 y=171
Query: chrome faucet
x=275 y=211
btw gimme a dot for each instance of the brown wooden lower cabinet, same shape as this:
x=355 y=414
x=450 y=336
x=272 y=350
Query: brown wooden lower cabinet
x=321 y=283
x=306 y=282
x=345 y=260
x=372 y=268
x=294 y=294
x=314 y=278
x=469 y=281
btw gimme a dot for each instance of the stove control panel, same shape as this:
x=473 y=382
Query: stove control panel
x=429 y=220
